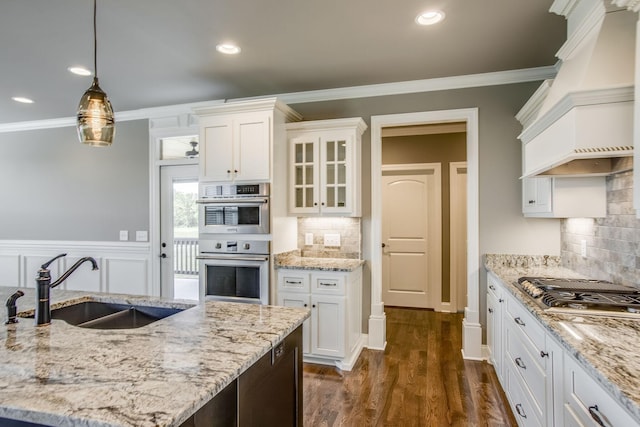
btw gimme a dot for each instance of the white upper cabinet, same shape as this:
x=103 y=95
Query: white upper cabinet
x=325 y=166
x=237 y=139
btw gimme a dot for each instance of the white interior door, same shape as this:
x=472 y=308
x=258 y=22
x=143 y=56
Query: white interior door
x=412 y=235
x=458 y=235
x=179 y=232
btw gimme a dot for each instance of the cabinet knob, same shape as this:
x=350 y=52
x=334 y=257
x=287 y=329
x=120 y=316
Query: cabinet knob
x=306 y=305
x=235 y=171
x=520 y=363
x=493 y=288
x=501 y=300
x=313 y=306
x=315 y=203
x=491 y=310
x=520 y=411
x=531 y=202
x=322 y=203
x=544 y=353
x=228 y=170
x=519 y=321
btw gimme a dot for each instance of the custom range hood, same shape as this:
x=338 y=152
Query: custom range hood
x=581 y=122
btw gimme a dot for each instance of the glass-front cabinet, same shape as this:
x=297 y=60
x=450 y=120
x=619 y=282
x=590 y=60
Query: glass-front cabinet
x=325 y=166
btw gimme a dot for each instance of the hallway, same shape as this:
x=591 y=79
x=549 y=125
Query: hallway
x=419 y=380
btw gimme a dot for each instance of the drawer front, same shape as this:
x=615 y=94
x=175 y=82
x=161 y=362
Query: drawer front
x=525 y=364
x=329 y=284
x=293 y=282
x=586 y=400
x=493 y=286
x=523 y=409
x=518 y=316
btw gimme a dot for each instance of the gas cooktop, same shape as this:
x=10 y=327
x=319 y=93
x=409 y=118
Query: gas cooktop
x=582 y=295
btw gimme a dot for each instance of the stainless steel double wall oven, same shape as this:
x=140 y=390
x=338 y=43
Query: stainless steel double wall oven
x=234 y=246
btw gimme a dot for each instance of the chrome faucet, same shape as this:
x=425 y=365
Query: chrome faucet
x=44 y=285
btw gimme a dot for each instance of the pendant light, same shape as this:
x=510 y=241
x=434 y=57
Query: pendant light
x=96 y=124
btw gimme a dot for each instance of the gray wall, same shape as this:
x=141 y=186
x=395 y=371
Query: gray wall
x=54 y=188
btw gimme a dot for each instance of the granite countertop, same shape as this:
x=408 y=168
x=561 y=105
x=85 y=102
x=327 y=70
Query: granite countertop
x=293 y=260
x=156 y=375
x=607 y=347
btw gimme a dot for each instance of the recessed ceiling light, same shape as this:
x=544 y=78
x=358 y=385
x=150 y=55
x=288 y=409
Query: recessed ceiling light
x=81 y=71
x=228 y=48
x=430 y=18
x=22 y=99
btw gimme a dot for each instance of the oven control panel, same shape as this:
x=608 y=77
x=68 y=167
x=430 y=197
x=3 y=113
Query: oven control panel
x=230 y=246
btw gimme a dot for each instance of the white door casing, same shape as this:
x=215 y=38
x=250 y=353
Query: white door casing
x=412 y=235
x=471 y=328
x=458 y=235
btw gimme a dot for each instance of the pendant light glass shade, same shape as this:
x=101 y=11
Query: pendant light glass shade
x=96 y=123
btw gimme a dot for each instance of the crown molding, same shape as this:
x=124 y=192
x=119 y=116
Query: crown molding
x=633 y=5
x=365 y=91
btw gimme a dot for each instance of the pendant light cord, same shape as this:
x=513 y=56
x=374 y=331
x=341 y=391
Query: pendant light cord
x=95 y=41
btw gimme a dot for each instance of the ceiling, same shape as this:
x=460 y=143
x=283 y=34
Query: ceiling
x=162 y=52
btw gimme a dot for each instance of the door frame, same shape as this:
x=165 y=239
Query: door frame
x=434 y=298
x=156 y=133
x=471 y=327
x=454 y=291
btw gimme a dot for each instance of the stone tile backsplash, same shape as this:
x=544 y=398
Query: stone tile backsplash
x=613 y=252
x=350 y=237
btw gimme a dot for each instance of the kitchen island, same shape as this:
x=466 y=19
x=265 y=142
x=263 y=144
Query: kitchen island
x=604 y=347
x=160 y=374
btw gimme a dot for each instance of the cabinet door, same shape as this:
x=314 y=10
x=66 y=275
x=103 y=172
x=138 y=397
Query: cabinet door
x=536 y=195
x=216 y=157
x=299 y=300
x=328 y=326
x=335 y=184
x=252 y=147
x=304 y=175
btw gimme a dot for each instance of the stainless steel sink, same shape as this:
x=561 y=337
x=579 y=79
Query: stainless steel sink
x=106 y=315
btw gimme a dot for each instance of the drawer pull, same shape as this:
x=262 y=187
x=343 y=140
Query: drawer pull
x=520 y=363
x=544 y=353
x=328 y=284
x=519 y=321
x=598 y=417
x=520 y=411
x=493 y=288
x=293 y=282
x=491 y=310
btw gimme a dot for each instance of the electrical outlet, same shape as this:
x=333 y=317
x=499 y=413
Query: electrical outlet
x=124 y=235
x=332 y=239
x=308 y=239
x=583 y=248
x=142 y=236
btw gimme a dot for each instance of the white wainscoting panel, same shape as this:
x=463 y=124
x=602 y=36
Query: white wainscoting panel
x=124 y=266
x=127 y=276
x=9 y=270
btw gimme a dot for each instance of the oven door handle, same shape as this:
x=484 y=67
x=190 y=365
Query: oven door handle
x=242 y=201
x=234 y=258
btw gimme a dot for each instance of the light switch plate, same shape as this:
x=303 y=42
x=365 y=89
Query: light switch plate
x=142 y=236
x=583 y=248
x=308 y=239
x=332 y=239
x=124 y=235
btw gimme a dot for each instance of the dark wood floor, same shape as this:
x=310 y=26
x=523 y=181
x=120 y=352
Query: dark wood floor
x=419 y=380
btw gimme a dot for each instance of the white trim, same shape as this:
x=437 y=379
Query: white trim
x=472 y=332
x=408 y=167
x=364 y=91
